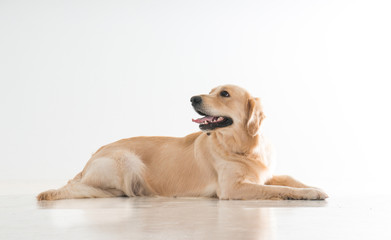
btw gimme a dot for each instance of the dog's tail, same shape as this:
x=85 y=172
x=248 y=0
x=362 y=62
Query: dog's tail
x=76 y=189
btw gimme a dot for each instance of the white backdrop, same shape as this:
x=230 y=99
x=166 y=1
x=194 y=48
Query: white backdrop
x=79 y=74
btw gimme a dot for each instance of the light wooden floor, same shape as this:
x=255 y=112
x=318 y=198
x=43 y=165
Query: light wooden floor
x=21 y=217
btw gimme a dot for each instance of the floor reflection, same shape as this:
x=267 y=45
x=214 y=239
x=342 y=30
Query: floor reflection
x=22 y=217
x=173 y=218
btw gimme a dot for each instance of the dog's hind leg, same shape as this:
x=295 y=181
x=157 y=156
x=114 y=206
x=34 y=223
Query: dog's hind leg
x=76 y=189
x=118 y=174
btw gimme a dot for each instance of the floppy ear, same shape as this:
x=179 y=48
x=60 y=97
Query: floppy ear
x=255 y=116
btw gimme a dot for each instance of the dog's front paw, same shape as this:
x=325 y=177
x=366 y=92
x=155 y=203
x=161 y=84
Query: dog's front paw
x=313 y=194
x=48 y=195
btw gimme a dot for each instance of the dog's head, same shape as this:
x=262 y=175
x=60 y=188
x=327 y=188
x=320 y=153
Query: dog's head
x=228 y=107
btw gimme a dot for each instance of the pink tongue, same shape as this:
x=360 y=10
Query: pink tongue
x=201 y=120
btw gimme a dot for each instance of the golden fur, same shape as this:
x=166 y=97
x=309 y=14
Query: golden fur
x=232 y=162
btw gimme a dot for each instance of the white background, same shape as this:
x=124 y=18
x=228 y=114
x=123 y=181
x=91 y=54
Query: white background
x=75 y=75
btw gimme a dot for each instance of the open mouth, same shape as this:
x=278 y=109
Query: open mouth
x=212 y=122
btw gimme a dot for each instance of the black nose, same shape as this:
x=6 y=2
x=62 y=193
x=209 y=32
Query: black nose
x=195 y=100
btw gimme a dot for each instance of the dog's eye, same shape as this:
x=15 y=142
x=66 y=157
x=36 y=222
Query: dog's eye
x=224 y=94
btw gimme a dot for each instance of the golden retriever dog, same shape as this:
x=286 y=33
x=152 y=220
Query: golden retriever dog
x=228 y=159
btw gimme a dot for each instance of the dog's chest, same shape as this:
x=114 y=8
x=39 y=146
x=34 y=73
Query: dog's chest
x=266 y=152
x=264 y=176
